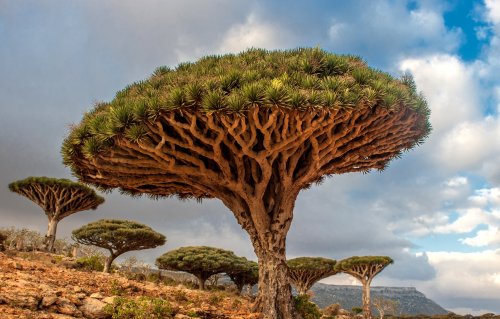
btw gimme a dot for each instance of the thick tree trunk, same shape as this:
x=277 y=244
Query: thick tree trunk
x=274 y=300
x=108 y=262
x=201 y=282
x=367 y=311
x=50 y=237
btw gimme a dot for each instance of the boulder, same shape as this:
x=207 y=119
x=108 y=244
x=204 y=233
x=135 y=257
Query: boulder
x=93 y=309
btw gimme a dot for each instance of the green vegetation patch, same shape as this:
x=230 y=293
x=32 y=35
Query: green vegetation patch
x=140 y=308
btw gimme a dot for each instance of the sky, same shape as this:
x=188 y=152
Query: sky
x=435 y=211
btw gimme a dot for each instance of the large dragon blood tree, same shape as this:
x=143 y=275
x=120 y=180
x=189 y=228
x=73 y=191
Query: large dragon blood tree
x=58 y=197
x=252 y=130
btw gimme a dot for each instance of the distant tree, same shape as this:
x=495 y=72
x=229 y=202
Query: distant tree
x=244 y=273
x=118 y=236
x=58 y=198
x=306 y=271
x=201 y=261
x=364 y=269
x=384 y=306
x=3 y=237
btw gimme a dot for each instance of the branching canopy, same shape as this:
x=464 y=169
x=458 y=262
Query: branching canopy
x=201 y=261
x=58 y=198
x=363 y=268
x=118 y=236
x=226 y=116
x=306 y=271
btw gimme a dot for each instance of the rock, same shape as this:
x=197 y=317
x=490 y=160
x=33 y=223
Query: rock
x=48 y=300
x=66 y=307
x=20 y=299
x=109 y=300
x=96 y=295
x=181 y=316
x=93 y=309
x=343 y=312
x=77 y=289
x=60 y=316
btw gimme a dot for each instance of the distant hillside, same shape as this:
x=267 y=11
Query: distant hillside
x=411 y=301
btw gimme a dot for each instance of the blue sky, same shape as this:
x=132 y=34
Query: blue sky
x=437 y=207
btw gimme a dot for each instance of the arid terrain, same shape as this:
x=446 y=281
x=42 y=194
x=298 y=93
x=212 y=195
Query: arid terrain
x=45 y=286
x=39 y=285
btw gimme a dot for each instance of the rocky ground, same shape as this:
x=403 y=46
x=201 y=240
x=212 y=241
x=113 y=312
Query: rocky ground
x=38 y=285
x=43 y=286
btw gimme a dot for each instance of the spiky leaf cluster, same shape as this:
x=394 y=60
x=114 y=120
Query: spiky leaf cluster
x=306 y=271
x=301 y=78
x=60 y=183
x=201 y=261
x=58 y=197
x=118 y=236
x=351 y=262
x=313 y=264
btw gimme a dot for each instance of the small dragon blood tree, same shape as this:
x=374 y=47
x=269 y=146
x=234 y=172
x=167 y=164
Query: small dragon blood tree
x=244 y=273
x=200 y=261
x=364 y=269
x=58 y=198
x=252 y=130
x=118 y=237
x=306 y=271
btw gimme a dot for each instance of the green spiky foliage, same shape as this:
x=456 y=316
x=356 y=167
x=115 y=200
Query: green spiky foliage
x=302 y=79
x=306 y=271
x=364 y=268
x=58 y=197
x=351 y=263
x=244 y=273
x=118 y=237
x=201 y=261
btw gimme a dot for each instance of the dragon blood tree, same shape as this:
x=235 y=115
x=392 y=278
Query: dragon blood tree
x=364 y=269
x=200 y=261
x=245 y=273
x=58 y=198
x=252 y=130
x=306 y=271
x=118 y=237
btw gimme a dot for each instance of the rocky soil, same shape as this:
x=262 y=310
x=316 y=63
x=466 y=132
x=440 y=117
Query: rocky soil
x=38 y=285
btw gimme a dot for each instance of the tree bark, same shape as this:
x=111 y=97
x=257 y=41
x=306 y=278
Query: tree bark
x=50 y=237
x=201 y=282
x=274 y=299
x=108 y=262
x=367 y=311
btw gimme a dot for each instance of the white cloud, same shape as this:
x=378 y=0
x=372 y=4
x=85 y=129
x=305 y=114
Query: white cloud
x=465 y=275
x=485 y=196
x=254 y=33
x=469 y=219
x=483 y=238
x=449 y=87
x=457 y=181
x=493 y=10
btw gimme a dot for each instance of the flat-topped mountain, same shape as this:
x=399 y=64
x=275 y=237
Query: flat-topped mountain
x=410 y=300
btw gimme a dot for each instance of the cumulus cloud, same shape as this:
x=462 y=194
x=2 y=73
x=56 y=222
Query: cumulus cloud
x=254 y=33
x=465 y=274
x=493 y=10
